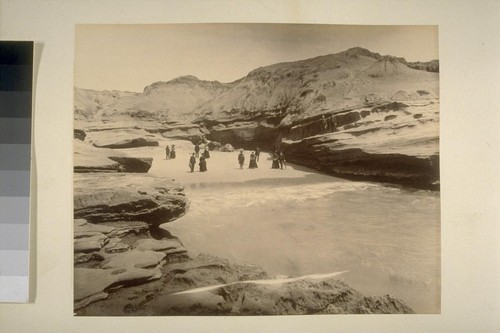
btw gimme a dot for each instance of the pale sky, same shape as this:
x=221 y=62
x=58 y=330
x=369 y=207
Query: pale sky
x=130 y=57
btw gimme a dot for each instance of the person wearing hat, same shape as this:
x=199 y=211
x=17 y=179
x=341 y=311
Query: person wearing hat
x=253 y=162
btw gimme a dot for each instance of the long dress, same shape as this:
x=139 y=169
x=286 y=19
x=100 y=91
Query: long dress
x=172 y=153
x=253 y=162
x=276 y=162
x=203 y=164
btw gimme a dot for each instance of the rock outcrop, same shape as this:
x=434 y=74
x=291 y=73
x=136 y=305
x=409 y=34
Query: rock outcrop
x=277 y=106
x=208 y=285
x=182 y=131
x=126 y=265
x=116 y=240
x=122 y=197
x=395 y=143
x=88 y=159
x=128 y=143
x=79 y=134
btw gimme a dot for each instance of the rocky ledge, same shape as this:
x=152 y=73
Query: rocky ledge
x=90 y=159
x=125 y=197
x=126 y=265
x=208 y=286
x=392 y=142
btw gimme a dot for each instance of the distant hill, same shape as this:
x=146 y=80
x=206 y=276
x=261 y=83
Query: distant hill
x=161 y=100
x=295 y=90
x=304 y=88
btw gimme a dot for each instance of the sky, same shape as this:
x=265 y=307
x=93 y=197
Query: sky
x=130 y=57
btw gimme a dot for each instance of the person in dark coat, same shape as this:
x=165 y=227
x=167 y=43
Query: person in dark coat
x=241 y=159
x=192 y=162
x=167 y=152
x=172 y=152
x=253 y=162
x=276 y=163
x=197 y=150
x=203 y=164
x=281 y=159
x=257 y=154
x=206 y=153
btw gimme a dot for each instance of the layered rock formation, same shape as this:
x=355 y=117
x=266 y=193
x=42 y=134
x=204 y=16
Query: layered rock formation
x=125 y=197
x=394 y=143
x=90 y=159
x=281 y=107
x=208 y=285
x=117 y=242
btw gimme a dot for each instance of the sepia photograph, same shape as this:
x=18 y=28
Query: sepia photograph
x=250 y=169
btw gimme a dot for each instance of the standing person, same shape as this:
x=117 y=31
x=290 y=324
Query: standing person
x=172 y=152
x=167 y=152
x=206 y=153
x=257 y=154
x=203 y=164
x=241 y=159
x=281 y=159
x=192 y=162
x=253 y=162
x=276 y=163
x=197 y=150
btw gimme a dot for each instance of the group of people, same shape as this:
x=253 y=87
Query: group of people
x=170 y=152
x=278 y=160
x=202 y=163
x=254 y=157
x=203 y=158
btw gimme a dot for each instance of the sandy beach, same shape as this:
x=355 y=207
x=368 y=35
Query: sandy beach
x=222 y=167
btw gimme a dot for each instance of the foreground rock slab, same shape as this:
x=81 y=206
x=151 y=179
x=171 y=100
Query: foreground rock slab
x=127 y=197
x=90 y=159
x=208 y=285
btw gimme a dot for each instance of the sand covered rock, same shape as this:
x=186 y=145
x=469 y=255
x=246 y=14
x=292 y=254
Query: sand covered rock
x=227 y=148
x=122 y=197
x=190 y=132
x=128 y=143
x=88 y=159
